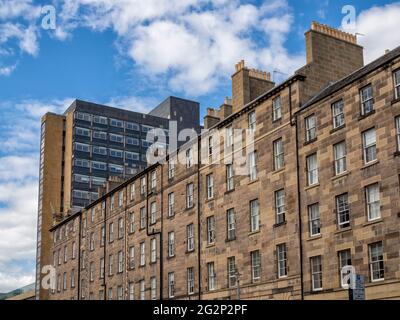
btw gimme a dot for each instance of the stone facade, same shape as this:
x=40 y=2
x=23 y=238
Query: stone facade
x=291 y=245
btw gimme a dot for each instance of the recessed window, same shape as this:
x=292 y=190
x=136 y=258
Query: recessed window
x=280 y=206
x=398 y=132
x=171 y=204
x=211 y=276
x=142 y=254
x=344 y=260
x=210 y=230
x=252 y=122
x=369 y=145
x=316 y=273
x=231 y=272
x=312 y=169
x=255 y=265
x=171 y=284
x=189 y=195
x=116 y=153
x=376 y=263
x=314 y=219
x=115 y=168
x=338 y=114
x=171 y=169
x=99 y=165
x=254 y=216
x=99 y=150
x=276 y=109
x=171 y=244
x=252 y=160
x=153 y=212
x=210 y=186
x=367 y=101
x=153 y=250
x=281 y=258
x=396 y=77
x=142 y=217
x=82 y=163
x=190 y=237
x=100 y=135
x=373 y=201
x=131 y=156
x=231 y=224
x=311 y=131
x=229 y=136
x=278 y=154
x=339 y=152
x=190 y=280
x=132 y=126
x=343 y=211
x=230 y=180
x=189 y=158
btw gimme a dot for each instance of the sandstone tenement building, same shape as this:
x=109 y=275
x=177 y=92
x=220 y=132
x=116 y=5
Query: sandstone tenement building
x=322 y=192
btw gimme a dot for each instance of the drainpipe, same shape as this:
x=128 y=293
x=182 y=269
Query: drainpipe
x=295 y=124
x=104 y=250
x=79 y=256
x=198 y=214
x=126 y=244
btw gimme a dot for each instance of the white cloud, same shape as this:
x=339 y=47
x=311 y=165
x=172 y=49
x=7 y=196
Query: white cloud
x=6 y=71
x=137 y=104
x=379 y=26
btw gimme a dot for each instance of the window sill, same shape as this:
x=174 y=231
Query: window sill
x=341 y=175
x=337 y=128
x=309 y=141
x=276 y=225
x=209 y=200
x=189 y=252
x=339 y=231
x=396 y=154
x=372 y=222
x=363 y=116
x=229 y=191
x=394 y=101
x=252 y=233
x=171 y=217
x=278 y=170
x=319 y=236
x=211 y=245
x=253 y=181
x=369 y=164
x=315 y=185
x=230 y=240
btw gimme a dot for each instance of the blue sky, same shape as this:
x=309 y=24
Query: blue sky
x=133 y=54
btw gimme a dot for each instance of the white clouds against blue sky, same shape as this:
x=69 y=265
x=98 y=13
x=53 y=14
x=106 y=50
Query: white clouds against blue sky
x=132 y=54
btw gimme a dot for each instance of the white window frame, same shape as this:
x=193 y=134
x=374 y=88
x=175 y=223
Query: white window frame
x=372 y=197
x=340 y=158
x=276 y=108
x=312 y=169
x=396 y=78
x=171 y=204
x=153 y=179
x=281 y=257
x=338 y=119
x=142 y=212
x=153 y=288
x=279 y=155
x=210 y=230
x=211 y=276
x=171 y=244
x=367 y=99
x=132 y=222
x=190 y=237
x=190 y=280
x=189 y=158
x=254 y=215
x=229 y=136
x=153 y=250
x=311 y=127
x=252 y=158
x=230 y=224
x=255 y=265
x=314 y=218
x=142 y=287
x=171 y=284
x=231 y=262
x=189 y=195
x=367 y=146
x=252 y=122
x=376 y=259
x=171 y=169
x=142 y=253
x=210 y=186
x=316 y=273
x=230 y=177
x=280 y=205
x=342 y=210
x=132 y=257
x=398 y=131
x=153 y=212
x=120 y=261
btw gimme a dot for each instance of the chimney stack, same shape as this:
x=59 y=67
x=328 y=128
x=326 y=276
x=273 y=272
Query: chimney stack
x=248 y=84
